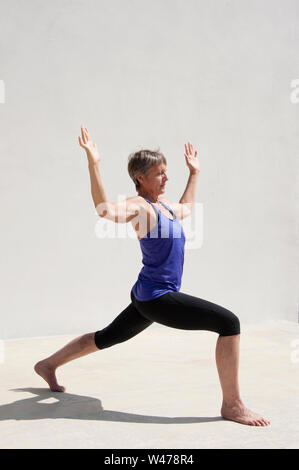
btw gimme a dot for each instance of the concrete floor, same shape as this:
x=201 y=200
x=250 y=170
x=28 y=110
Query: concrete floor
x=158 y=390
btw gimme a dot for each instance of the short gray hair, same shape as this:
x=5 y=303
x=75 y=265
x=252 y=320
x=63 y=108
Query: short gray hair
x=140 y=162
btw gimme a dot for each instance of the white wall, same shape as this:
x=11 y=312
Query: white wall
x=146 y=74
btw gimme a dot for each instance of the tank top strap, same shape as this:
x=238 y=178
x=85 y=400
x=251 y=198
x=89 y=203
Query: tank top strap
x=155 y=208
x=158 y=210
x=169 y=208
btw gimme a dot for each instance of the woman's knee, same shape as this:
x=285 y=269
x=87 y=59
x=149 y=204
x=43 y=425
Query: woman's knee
x=88 y=339
x=231 y=325
x=103 y=339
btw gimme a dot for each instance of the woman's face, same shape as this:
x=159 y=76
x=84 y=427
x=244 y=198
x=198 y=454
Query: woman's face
x=155 y=179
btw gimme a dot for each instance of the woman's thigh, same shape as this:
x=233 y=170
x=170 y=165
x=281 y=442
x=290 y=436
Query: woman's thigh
x=187 y=312
x=125 y=326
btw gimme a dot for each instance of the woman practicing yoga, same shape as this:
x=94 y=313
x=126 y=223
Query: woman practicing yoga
x=155 y=296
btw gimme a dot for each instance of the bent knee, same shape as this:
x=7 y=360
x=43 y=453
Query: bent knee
x=231 y=325
x=88 y=339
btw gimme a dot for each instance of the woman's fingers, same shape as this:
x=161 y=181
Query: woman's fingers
x=87 y=133
x=80 y=141
x=87 y=136
x=83 y=134
x=189 y=148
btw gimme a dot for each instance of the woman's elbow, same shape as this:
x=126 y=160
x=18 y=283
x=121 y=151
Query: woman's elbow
x=105 y=210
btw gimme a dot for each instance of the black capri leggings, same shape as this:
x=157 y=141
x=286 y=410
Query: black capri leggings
x=174 y=309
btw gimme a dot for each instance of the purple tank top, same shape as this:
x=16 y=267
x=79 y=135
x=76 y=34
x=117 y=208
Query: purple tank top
x=162 y=258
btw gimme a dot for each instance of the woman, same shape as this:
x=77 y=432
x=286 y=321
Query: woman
x=155 y=296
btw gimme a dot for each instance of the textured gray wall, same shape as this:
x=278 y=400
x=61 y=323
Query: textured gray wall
x=146 y=74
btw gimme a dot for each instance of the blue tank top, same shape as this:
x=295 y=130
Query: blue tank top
x=162 y=258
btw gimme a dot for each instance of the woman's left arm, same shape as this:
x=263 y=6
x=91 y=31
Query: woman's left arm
x=184 y=207
x=190 y=191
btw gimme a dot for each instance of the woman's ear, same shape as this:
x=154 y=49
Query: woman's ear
x=139 y=179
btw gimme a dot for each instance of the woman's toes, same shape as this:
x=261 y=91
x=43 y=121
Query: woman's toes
x=262 y=422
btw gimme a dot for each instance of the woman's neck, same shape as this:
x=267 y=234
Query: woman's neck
x=148 y=196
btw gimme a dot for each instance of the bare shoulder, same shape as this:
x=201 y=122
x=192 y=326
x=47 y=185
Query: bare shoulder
x=164 y=199
x=172 y=205
x=136 y=205
x=141 y=209
x=126 y=209
x=136 y=201
x=130 y=201
x=181 y=210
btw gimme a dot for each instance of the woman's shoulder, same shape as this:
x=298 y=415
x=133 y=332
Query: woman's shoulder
x=138 y=204
x=141 y=223
x=164 y=199
x=140 y=201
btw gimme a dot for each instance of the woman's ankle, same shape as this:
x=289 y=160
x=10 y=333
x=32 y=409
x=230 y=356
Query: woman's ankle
x=229 y=402
x=47 y=364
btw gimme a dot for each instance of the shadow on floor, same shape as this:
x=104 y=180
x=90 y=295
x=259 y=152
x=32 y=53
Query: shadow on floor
x=67 y=405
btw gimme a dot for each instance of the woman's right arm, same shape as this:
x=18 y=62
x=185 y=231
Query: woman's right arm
x=121 y=212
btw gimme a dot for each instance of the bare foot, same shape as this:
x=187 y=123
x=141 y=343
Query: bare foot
x=47 y=373
x=239 y=413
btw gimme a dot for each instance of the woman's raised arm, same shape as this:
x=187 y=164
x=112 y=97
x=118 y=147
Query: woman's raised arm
x=121 y=212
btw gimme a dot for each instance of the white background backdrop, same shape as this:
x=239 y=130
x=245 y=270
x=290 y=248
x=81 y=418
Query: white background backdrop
x=146 y=74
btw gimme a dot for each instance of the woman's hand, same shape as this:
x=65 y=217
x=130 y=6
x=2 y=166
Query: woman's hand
x=191 y=160
x=88 y=145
